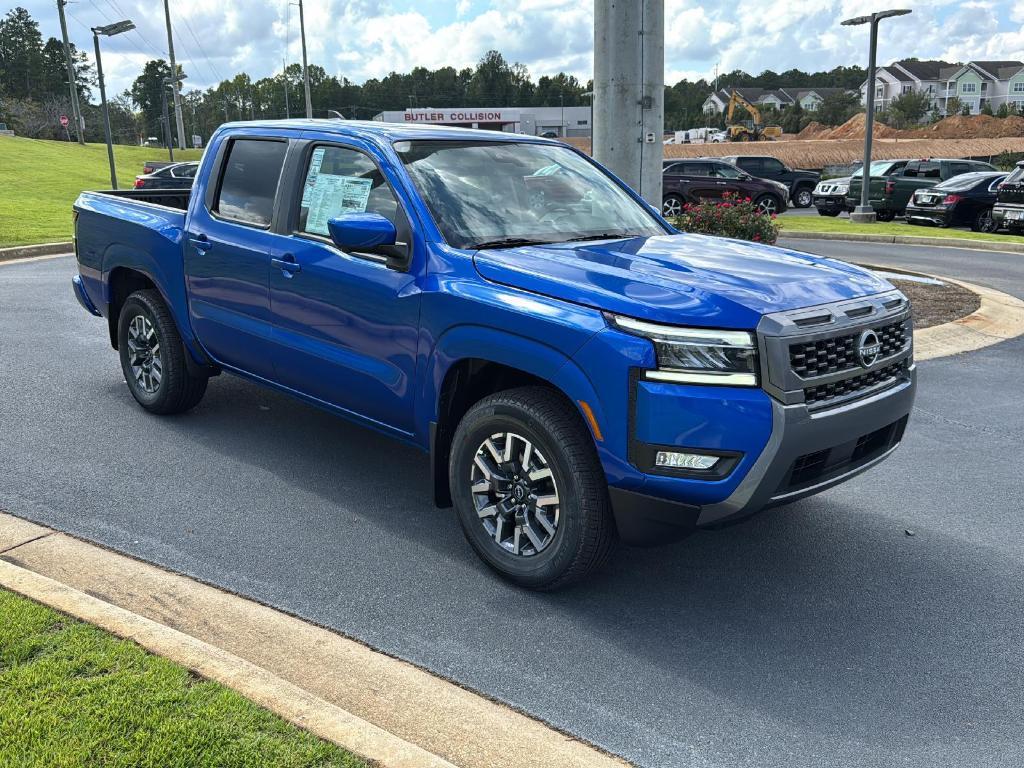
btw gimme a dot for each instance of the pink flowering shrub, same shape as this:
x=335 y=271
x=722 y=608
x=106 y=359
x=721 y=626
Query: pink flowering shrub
x=731 y=216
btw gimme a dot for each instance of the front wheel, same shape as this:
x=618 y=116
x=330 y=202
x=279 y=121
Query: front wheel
x=885 y=214
x=529 y=489
x=153 y=357
x=803 y=198
x=769 y=205
x=825 y=212
x=672 y=206
x=984 y=222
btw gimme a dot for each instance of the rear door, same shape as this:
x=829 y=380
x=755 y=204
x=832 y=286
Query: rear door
x=228 y=247
x=346 y=324
x=701 y=183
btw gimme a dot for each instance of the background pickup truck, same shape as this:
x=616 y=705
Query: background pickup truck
x=889 y=194
x=799 y=183
x=578 y=371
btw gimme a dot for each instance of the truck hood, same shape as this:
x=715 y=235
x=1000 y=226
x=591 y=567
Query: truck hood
x=682 y=279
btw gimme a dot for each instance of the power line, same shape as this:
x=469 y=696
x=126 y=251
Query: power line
x=212 y=67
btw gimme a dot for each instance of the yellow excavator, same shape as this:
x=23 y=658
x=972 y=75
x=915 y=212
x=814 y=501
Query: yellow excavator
x=748 y=130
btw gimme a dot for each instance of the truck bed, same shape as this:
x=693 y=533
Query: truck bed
x=169 y=198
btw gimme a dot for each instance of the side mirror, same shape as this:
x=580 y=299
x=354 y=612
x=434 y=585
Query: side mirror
x=361 y=231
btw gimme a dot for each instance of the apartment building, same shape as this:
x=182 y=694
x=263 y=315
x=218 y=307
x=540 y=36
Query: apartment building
x=975 y=83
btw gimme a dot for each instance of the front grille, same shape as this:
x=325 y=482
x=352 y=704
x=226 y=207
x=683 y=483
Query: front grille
x=839 y=353
x=826 y=392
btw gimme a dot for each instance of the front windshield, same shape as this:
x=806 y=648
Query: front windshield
x=489 y=194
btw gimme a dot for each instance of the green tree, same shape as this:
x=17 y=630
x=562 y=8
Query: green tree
x=953 y=105
x=986 y=109
x=1004 y=110
x=837 y=108
x=148 y=93
x=21 y=55
x=909 y=109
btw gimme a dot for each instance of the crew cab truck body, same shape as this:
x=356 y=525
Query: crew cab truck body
x=578 y=371
x=889 y=194
x=1008 y=212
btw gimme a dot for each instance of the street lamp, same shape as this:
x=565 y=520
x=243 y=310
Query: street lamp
x=108 y=31
x=864 y=213
x=169 y=81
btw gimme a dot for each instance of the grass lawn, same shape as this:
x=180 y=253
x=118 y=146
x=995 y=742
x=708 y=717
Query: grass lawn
x=73 y=695
x=39 y=180
x=845 y=226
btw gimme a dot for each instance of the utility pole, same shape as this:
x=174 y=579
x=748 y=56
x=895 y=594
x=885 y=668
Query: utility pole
x=76 y=115
x=287 y=105
x=305 y=65
x=629 y=92
x=174 y=74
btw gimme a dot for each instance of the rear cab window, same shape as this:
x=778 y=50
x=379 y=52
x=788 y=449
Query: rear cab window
x=249 y=179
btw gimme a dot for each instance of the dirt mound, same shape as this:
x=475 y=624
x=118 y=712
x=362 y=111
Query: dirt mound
x=854 y=128
x=973 y=127
x=814 y=130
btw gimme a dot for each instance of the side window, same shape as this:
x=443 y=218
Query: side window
x=697 y=169
x=771 y=165
x=957 y=168
x=341 y=180
x=674 y=168
x=751 y=165
x=929 y=170
x=188 y=172
x=249 y=182
x=911 y=169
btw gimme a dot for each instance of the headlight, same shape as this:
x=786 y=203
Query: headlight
x=697 y=355
x=842 y=190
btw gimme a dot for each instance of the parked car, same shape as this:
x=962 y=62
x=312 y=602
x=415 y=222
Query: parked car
x=889 y=195
x=177 y=176
x=831 y=196
x=1009 y=208
x=963 y=201
x=692 y=180
x=799 y=183
x=154 y=165
x=576 y=369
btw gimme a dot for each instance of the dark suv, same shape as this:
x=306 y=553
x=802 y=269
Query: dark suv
x=800 y=184
x=693 y=180
x=1009 y=208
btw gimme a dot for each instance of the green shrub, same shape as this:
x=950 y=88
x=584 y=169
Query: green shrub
x=732 y=216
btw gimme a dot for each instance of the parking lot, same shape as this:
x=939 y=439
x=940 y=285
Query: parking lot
x=877 y=624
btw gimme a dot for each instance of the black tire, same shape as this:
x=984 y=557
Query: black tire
x=886 y=214
x=984 y=222
x=803 y=197
x=175 y=389
x=823 y=212
x=584 y=529
x=769 y=204
x=672 y=201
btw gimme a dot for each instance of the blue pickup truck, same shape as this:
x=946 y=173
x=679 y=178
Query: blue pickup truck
x=579 y=371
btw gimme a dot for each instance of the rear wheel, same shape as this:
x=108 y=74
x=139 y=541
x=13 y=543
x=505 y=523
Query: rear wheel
x=768 y=205
x=153 y=357
x=672 y=206
x=803 y=198
x=529 y=489
x=823 y=212
x=984 y=222
x=886 y=214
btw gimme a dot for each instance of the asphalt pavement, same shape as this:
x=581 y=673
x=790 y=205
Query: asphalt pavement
x=877 y=624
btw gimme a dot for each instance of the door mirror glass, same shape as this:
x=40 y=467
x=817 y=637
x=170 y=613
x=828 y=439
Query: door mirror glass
x=361 y=231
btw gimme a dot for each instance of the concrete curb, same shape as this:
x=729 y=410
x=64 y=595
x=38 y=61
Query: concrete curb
x=33 y=251
x=382 y=708
x=946 y=242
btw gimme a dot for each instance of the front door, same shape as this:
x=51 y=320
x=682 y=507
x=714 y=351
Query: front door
x=227 y=257
x=346 y=324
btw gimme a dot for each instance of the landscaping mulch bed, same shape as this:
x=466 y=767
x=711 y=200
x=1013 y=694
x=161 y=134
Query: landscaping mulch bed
x=937 y=304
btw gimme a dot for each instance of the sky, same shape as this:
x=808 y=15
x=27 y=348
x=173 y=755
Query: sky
x=360 y=39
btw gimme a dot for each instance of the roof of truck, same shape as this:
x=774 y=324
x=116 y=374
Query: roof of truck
x=387 y=131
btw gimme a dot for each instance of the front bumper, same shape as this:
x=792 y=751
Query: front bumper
x=830 y=203
x=790 y=440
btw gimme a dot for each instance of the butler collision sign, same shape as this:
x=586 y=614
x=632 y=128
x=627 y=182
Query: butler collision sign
x=534 y=121
x=458 y=116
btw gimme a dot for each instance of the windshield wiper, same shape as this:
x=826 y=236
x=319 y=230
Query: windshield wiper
x=507 y=242
x=603 y=236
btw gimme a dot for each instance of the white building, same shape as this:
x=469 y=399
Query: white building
x=532 y=121
x=771 y=98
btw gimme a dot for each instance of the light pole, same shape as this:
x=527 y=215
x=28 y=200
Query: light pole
x=108 y=31
x=864 y=213
x=173 y=83
x=305 y=64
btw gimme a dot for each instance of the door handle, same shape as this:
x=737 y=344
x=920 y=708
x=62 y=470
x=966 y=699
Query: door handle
x=286 y=264
x=722 y=183
x=201 y=243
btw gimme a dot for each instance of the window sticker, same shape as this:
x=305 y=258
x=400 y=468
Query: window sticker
x=314 y=170
x=332 y=195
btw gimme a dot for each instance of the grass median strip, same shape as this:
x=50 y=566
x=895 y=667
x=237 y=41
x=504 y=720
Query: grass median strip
x=72 y=694
x=845 y=226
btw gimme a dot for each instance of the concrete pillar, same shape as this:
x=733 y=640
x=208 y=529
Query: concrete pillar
x=629 y=91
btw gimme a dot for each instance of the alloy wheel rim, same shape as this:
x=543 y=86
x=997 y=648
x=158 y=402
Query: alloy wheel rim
x=767 y=206
x=671 y=207
x=804 y=199
x=986 y=222
x=514 y=494
x=144 y=354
